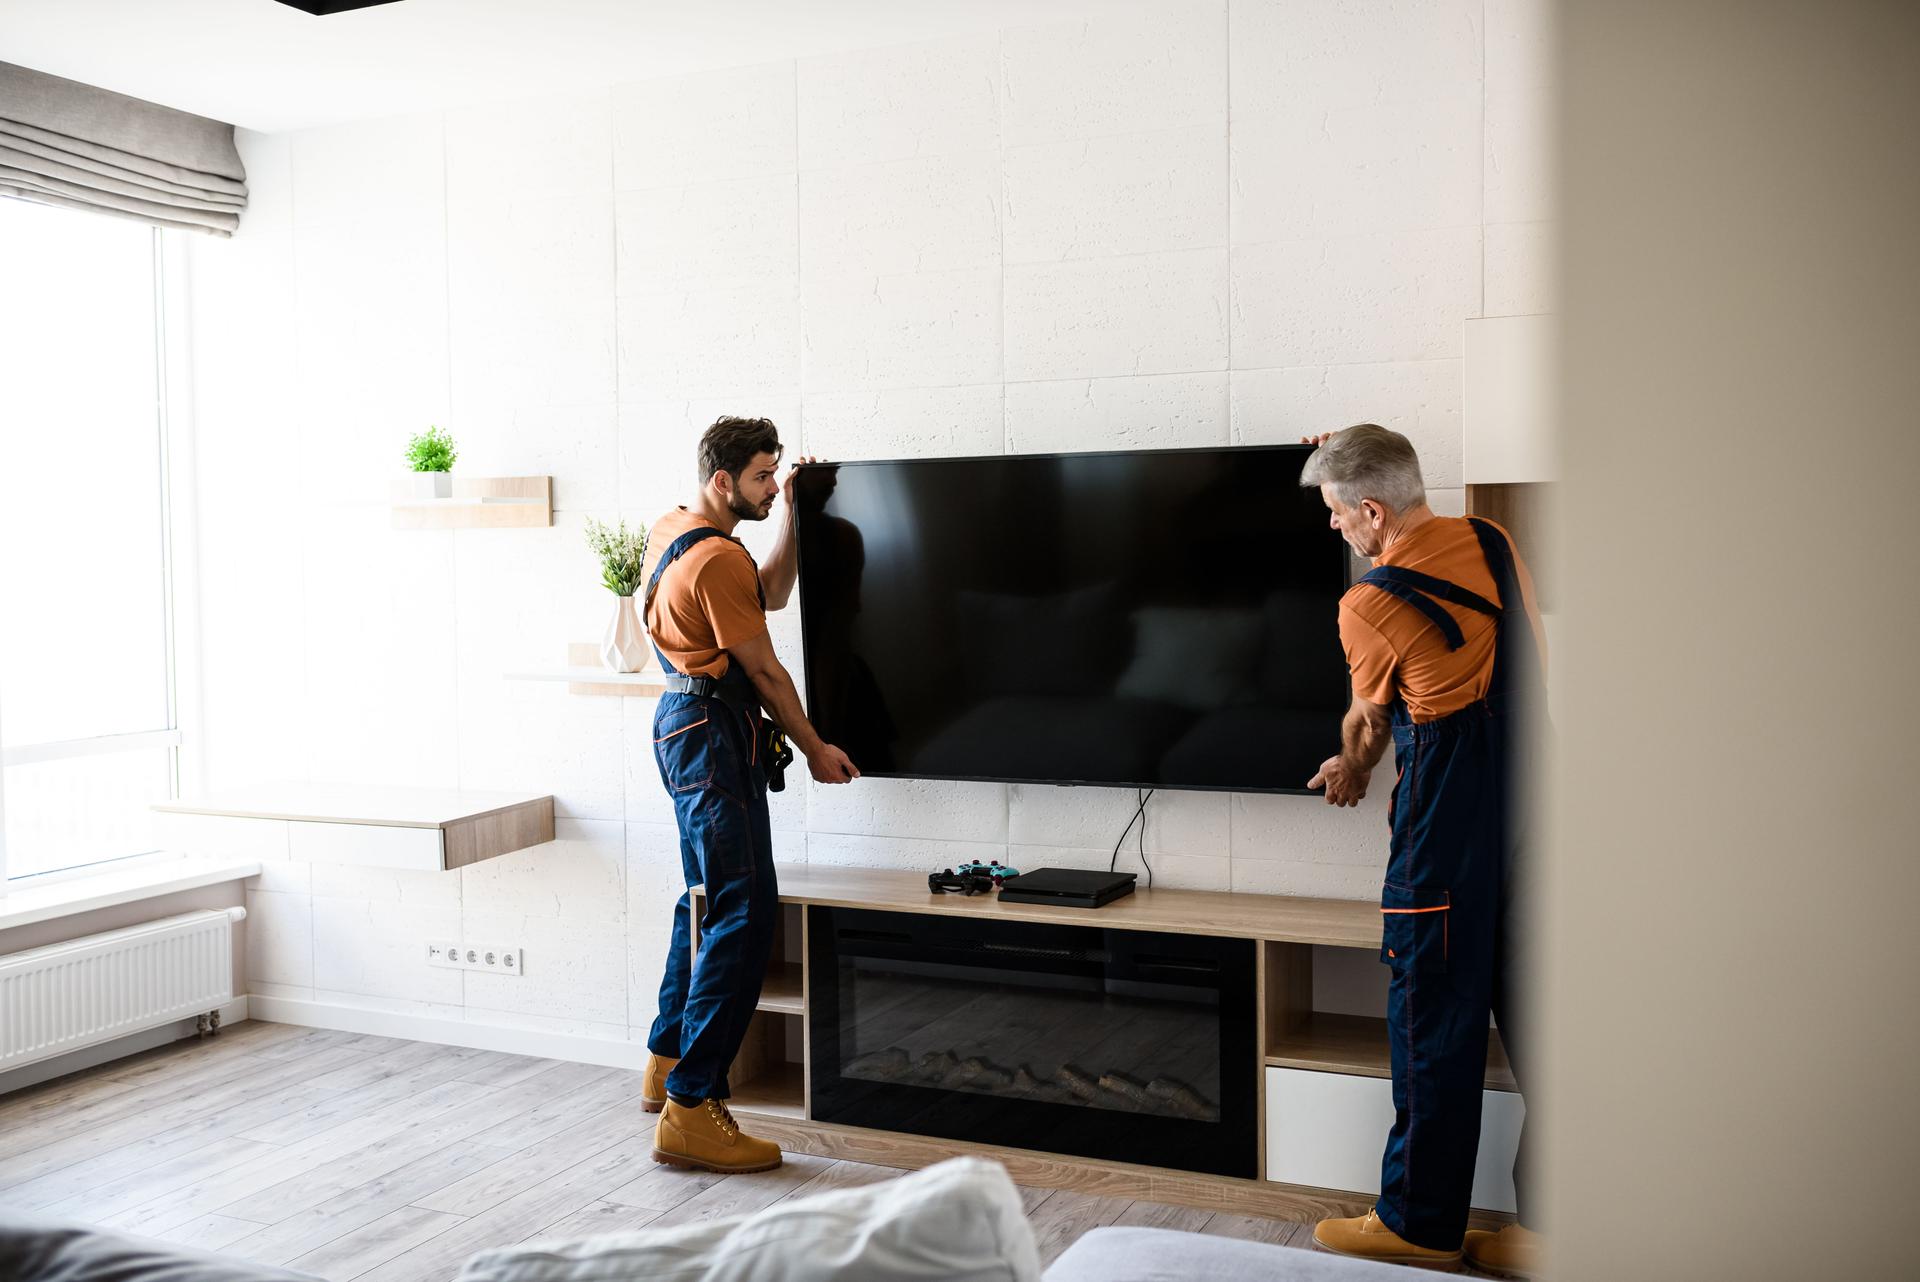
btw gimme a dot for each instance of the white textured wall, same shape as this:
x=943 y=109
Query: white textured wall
x=1190 y=224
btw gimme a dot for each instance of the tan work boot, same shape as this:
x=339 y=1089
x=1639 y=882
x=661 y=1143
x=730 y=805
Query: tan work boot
x=653 y=1087
x=706 y=1138
x=1513 y=1252
x=1367 y=1238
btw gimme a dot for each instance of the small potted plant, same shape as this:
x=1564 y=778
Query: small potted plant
x=430 y=454
x=622 y=553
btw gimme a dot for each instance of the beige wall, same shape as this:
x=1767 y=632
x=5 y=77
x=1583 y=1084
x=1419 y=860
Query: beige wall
x=1734 y=994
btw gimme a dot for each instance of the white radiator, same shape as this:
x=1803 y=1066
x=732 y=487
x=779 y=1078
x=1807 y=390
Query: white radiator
x=64 y=997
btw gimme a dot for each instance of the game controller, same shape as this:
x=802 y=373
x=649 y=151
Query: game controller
x=998 y=871
x=970 y=879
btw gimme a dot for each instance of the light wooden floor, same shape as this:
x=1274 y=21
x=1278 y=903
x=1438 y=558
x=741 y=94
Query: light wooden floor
x=353 y=1156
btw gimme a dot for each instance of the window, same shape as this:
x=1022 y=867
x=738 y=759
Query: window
x=89 y=735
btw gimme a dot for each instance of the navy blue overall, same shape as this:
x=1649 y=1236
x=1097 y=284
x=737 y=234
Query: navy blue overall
x=1448 y=908
x=707 y=746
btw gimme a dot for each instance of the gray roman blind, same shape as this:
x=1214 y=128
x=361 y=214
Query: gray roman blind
x=65 y=143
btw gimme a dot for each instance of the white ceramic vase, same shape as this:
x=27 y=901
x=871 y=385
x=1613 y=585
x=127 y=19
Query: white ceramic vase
x=432 y=485
x=625 y=647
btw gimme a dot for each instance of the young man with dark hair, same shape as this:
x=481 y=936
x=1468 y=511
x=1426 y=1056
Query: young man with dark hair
x=706 y=609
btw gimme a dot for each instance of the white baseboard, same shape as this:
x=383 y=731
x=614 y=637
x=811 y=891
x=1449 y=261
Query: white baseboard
x=233 y=1012
x=450 y=1032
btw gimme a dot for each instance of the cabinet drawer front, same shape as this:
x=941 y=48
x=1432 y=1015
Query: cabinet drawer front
x=1327 y=1130
x=418 y=849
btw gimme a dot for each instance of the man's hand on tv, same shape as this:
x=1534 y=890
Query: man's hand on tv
x=786 y=485
x=1317 y=441
x=1345 y=785
x=830 y=765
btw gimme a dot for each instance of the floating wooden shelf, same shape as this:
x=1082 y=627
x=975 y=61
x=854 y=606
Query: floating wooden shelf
x=585 y=674
x=1357 y=1045
x=478 y=502
x=428 y=830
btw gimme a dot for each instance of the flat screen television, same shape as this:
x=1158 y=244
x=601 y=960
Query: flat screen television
x=1152 y=618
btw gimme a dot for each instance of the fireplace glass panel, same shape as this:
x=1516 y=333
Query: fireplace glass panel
x=1062 y=1038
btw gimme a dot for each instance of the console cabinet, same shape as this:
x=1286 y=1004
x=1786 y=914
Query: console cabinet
x=1322 y=1076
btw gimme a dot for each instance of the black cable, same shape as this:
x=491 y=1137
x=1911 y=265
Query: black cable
x=1143 y=836
x=1139 y=817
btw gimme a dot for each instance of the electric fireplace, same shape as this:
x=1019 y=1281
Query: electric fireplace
x=1125 y=1045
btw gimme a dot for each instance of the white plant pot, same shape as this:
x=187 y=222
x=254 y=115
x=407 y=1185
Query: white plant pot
x=624 y=649
x=432 y=485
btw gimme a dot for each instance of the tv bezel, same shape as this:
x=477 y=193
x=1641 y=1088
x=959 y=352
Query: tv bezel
x=1338 y=548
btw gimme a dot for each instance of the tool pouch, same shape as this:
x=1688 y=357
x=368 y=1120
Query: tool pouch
x=779 y=755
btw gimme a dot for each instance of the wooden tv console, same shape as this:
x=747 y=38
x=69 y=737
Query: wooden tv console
x=770 y=1076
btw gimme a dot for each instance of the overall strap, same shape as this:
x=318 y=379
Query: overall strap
x=1392 y=580
x=1516 y=658
x=1441 y=588
x=675 y=550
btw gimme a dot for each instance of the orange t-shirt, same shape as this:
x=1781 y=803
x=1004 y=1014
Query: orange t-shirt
x=708 y=602
x=1394 y=652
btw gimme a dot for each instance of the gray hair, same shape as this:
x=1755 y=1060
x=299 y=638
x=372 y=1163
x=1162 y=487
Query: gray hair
x=1368 y=461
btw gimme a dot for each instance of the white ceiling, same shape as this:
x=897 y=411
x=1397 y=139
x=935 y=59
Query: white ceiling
x=267 y=66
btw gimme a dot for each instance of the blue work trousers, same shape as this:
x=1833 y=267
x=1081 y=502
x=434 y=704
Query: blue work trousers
x=709 y=761
x=1450 y=936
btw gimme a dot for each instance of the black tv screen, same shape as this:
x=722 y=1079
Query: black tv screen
x=1161 y=619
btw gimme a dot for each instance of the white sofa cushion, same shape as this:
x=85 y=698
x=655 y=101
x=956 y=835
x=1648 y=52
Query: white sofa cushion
x=960 y=1221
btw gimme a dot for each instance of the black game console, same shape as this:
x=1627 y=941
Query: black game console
x=1067 y=887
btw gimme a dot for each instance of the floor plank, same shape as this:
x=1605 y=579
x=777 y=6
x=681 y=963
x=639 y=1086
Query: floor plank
x=844 y=1175
x=1251 y=1228
x=308 y=1230
x=662 y=1187
x=561 y=1097
x=34 y=1149
x=123 y=1150
x=1064 y=1217
x=507 y=1070
x=123 y=1194
x=35 y=1103
x=594 y=1219
x=212 y=1232
x=545 y=1203
x=1032 y=1199
x=1158 y=1215
x=744 y=1194
x=351 y=1254
x=407 y=1140
x=507 y=1172
x=221 y=1192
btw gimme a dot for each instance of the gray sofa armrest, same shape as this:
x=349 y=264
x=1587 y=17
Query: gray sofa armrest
x=1167 y=1255
x=36 y=1248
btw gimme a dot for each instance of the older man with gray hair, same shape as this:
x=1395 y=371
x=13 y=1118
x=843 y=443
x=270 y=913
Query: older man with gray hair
x=1443 y=643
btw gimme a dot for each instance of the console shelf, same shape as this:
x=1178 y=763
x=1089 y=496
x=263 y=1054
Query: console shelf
x=783 y=991
x=775 y=1092
x=1357 y=1045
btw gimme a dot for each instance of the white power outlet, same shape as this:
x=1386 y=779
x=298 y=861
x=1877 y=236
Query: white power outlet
x=495 y=958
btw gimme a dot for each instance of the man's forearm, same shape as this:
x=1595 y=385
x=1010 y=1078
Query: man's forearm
x=783 y=567
x=782 y=702
x=1363 y=741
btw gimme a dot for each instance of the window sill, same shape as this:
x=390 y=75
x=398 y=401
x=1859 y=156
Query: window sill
x=148 y=880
